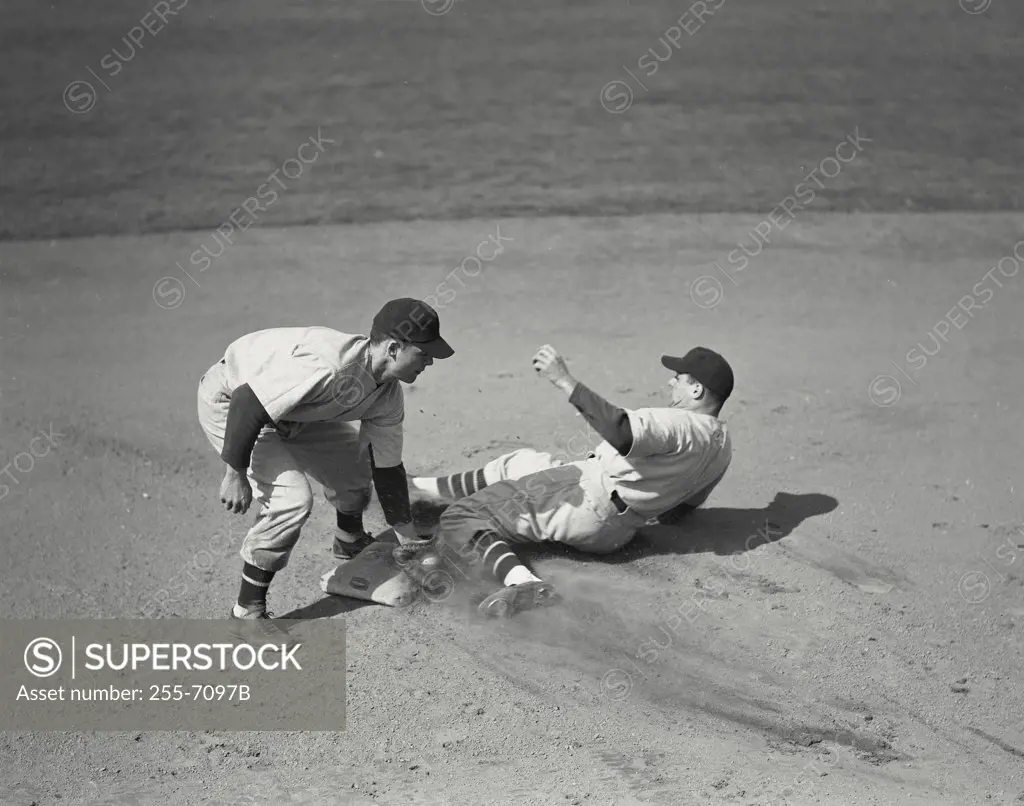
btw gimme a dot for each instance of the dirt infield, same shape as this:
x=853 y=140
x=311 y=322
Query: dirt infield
x=868 y=652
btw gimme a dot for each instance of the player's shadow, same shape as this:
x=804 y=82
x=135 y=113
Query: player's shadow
x=719 y=530
x=327 y=607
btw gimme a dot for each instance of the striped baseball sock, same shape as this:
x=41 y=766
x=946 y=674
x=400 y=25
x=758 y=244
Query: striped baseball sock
x=457 y=485
x=499 y=559
x=255 y=582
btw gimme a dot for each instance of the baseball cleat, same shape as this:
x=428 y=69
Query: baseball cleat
x=343 y=550
x=263 y=623
x=512 y=599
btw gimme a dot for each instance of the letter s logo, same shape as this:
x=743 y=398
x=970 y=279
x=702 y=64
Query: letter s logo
x=883 y=393
x=168 y=293
x=43 y=657
x=614 y=100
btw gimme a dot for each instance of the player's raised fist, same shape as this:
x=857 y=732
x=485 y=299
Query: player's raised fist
x=549 y=364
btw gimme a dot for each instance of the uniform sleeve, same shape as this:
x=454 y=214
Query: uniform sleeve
x=286 y=383
x=654 y=434
x=384 y=430
x=246 y=418
x=610 y=421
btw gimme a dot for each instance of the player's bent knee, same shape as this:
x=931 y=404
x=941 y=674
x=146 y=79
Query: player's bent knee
x=459 y=522
x=525 y=461
x=455 y=514
x=304 y=507
x=295 y=510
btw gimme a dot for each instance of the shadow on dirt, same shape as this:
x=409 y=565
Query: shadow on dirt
x=327 y=607
x=728 y=531
x=718 y=530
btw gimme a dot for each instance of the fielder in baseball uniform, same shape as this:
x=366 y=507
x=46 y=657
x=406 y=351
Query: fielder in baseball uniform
x=653 y=465
x=287 y=404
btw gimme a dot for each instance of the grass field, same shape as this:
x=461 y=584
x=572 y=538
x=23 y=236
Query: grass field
x=494 y=109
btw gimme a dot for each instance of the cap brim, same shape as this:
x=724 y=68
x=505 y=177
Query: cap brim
x=437 y=348
x=674 y=363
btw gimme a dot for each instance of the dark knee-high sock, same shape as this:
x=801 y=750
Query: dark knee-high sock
x=350 y=525
x=499 y=559
x=255 y=582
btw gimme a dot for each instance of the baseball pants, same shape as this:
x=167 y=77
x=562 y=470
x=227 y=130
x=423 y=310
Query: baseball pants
x=539 y=499
x=331 y=453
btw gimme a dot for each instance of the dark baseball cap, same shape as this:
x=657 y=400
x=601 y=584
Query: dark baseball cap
x=414 y=321
x=705 y=366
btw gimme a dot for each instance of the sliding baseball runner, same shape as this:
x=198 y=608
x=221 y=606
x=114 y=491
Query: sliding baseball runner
x=654 y=464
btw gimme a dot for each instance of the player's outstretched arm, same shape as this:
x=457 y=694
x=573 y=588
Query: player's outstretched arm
x=609 y=420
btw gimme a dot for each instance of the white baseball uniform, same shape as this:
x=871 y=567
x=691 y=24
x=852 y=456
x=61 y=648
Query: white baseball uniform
x=317 y=387
x=677 y=456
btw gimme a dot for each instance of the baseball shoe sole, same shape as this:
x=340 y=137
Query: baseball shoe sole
x=508 y=601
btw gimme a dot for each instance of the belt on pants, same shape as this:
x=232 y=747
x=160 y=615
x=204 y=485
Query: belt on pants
x=623 y=508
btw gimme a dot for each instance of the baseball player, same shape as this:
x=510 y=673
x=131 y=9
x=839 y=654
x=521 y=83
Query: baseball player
x=654 y=464
x=285 y=404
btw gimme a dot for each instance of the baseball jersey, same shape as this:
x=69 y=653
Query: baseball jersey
x=677 y=456
x=313 y=374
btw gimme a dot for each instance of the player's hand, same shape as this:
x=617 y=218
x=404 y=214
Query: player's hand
x=549 y=364
x=235 y=492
